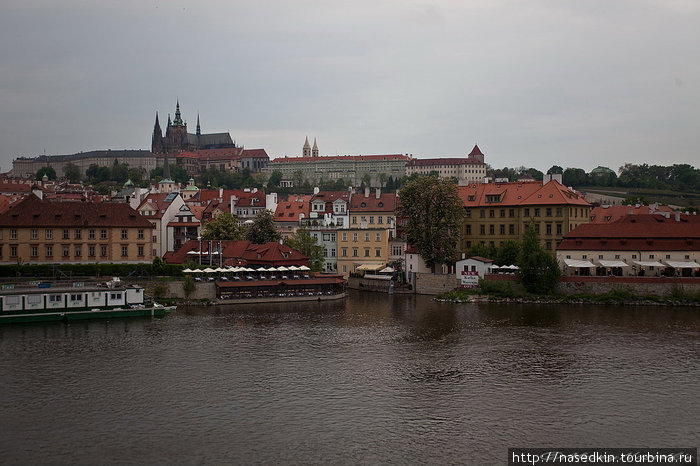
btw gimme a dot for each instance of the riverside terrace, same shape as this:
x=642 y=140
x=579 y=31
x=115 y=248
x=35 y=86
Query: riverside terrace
x=271 y=283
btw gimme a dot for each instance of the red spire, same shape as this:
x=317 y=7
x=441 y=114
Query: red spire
x=475 y=151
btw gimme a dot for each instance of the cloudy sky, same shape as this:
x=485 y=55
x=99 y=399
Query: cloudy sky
x=575 y=83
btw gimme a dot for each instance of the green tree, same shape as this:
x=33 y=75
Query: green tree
x=434 y=213
x=303 y=242
x=275 y=179
x=507 y=253
x=555 y=170
x=48 y=171
x=539 y=271
x=158 y=266
x=177 y=173
x=188 y=286
x=481 y=250
x=298 y=178
x=263 y=229
x=72 y=172
x=224 y=226
x=574 y=177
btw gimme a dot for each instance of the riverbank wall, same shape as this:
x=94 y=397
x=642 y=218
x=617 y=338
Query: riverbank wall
x=660 y=286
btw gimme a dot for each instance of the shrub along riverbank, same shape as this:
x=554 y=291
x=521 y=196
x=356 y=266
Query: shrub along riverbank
x=509 y=292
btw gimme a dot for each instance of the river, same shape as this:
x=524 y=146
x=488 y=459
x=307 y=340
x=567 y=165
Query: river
x=373 y=379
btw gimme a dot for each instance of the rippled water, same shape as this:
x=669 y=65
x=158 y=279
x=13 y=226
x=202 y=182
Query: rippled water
x=373 y=379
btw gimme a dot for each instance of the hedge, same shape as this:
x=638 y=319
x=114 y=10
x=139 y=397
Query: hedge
x=58 y=271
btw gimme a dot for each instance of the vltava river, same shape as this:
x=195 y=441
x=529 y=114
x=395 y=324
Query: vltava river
x=374 y=379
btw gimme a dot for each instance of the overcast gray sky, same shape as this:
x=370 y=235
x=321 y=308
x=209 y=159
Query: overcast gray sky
x=575 y=83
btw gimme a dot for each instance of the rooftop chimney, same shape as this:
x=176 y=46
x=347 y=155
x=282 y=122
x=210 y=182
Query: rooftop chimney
x=367 y=191
x=379 y=193
x=678 y=216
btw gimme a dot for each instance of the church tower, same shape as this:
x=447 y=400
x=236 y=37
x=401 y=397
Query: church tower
x=157 y=139
x=306 y=151
x=176 y=133
x=314 y=151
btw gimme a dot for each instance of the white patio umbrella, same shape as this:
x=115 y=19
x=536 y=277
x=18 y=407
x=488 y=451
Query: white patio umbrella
x=282 y=268
x=272 y=269
x=303 y=267
x=209 y=270
x=293 y=268
x=197 y=271
x=187 y=270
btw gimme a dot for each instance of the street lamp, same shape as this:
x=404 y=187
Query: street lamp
x=199 y=238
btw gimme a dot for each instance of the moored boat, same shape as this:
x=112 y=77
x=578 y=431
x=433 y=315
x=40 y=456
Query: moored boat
x=47 y=301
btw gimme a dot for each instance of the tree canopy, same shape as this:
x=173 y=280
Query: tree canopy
x=72 y=172
x=303 y=242
x=434 y=214
x=224 y=226
x=539 y=271
x=263 y=229
x=48 y=171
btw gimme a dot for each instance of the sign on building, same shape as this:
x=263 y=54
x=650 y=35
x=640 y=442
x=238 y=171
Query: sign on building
x=470 y=279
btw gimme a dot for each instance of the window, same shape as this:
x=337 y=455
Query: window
x=511 y=229
x=502 y=229
x=482 y=213
x=13 y=233
x=354 y=237
x=354 y=252
x=548 y=229
x=103 y=251
x=585 y=256
x=332 y=252
x=366 y=237
x=103 y=234
x=12 y=300
x=326 y=237
x=55 y=298
x=651 y=256
x=78 y=233
x=140 y=234
x=76 y=297
x=549 y=211
x=366 y=252
x=91 y=234
x=35 y=251
x=537 y=211
x=503 y=212
x=617 y=256
x=600 y=256
x=345 y=236
x=559 y=212
x=125 y=234
x=49 y=251
x=380 y=220
x=492 y=213
x=378 y=252
x=125 y=250
x=154 y=239
x=511 y=213
x=537 y=228
x=687 y=257
x=354 y=220
x=371 y=219
x=345 y=252
x=48 y=233
x=468 y=230
x=378 y=237
x=492 y=229
x=91 y=251
x=558 y=228
x=548 y=245
x=634 y=256
x=468 y=213
x=113 y=296
x=396 y=250
x=35 y=233
x=482 y=229
x=66 y=235
x=66 y=251
x=78 y=251
x=140 y=250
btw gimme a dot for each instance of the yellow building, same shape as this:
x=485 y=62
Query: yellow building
x=366 y=246
x=496 y=212
x=37 y=231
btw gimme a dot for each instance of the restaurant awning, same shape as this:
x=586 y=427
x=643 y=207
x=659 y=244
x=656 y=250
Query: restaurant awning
x=578 y=263
x=649 y=263
x=683 y=264
x=371 y=267
x=612 y=263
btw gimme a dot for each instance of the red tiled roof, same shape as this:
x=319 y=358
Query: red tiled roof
x=385 y=203
x=329 y=158
x=155 y=202
x=289 y=211
x=475 y=151
x=614 y=213
x=440 y=161
x=33 y=212
x=260 y=153
x=245 y=252
x=519 y=193
x=641 y=226
x=15 y=188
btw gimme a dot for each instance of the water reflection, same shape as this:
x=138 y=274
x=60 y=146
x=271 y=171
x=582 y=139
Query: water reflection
x=371 y=379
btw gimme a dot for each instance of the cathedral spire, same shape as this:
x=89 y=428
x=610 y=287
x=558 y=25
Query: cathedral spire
x=199 y=131
x=178 y=119
x=157 y=139
x=314 y=150
x=306 y=151
x=169 y=124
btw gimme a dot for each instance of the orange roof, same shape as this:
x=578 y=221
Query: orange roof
x=385 y=203
x=519 y=193
x=613 y=213
x=329 y=158
x=289 y=211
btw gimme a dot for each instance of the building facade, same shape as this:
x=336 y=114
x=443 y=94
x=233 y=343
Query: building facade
x=44 y=232
x=471 y=169
x=177 y=139
x=144 y=161
x=366 y=246
x=497 y=212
